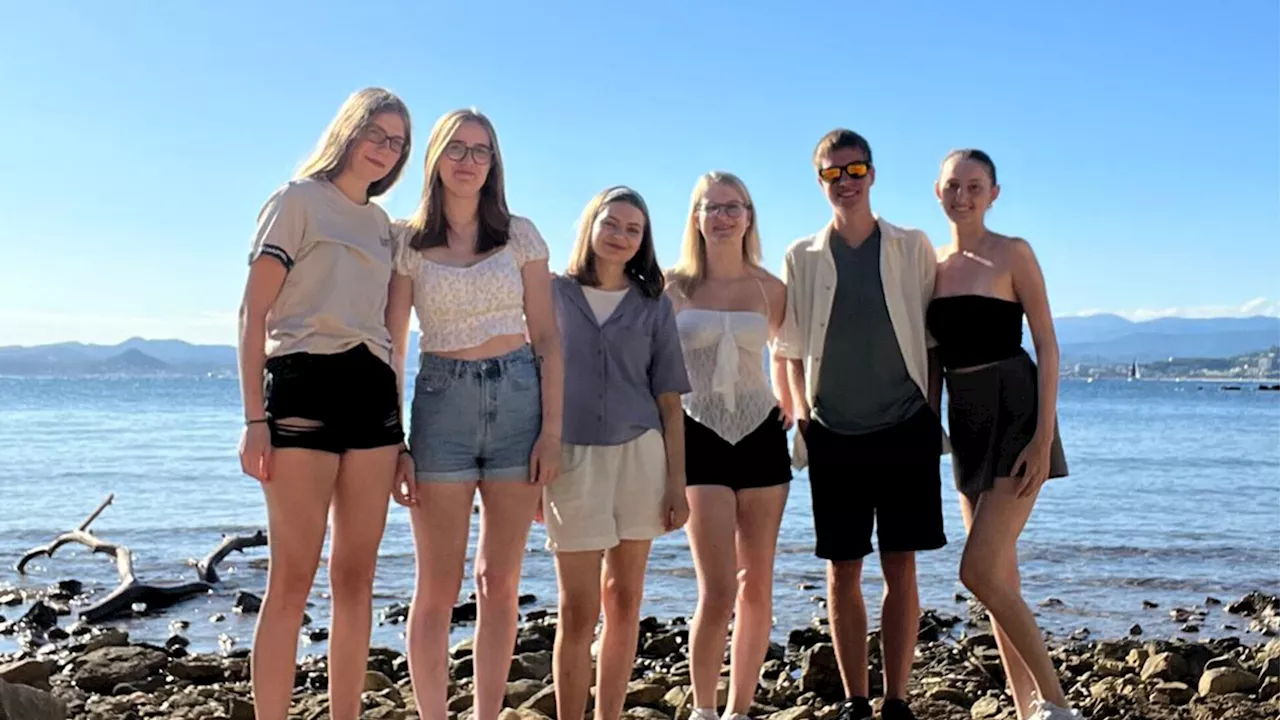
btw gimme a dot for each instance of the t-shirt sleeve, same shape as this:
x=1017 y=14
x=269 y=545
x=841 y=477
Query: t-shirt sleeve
x=526 y=242
x=667 y=371
x=405 y=259
x=282 y=223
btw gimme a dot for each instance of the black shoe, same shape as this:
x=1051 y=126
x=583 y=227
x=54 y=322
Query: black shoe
x=857 y=708
x=896 y=710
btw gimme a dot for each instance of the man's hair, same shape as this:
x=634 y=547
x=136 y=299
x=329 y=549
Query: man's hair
x=840 y=138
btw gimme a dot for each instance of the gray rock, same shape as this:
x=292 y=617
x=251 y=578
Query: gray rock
x=1227 y=680
x=20 y=702
x=644 y=694
x=28 y=672
x=460 y=702
x=1165 y=666
x=519 y=691
x=819 y=672
x=108 y=637
x=530 y=666
x=544 y=701
x=801 y=712
x=375 y=681
x=200 y=671
x=1172 y=693
x=955 y=696
x=103 y=669
x=520 y=714
x=1269 y=690
x=985 y=708
x=462 y=669
x=644 y=713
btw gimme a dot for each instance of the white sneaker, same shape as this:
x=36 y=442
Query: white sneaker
x=1045 y=710
x=703 y=714
x=735 y=716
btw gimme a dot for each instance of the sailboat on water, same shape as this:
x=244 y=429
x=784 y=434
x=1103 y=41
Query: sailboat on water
x=1134 y=372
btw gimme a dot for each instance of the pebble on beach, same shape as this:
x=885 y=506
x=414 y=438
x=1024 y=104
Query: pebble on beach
x=100 y=675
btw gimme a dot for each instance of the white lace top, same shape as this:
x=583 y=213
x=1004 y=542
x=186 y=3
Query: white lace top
x=724 y=357
x=461 y=307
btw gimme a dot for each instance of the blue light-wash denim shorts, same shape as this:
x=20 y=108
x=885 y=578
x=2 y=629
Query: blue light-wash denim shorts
x=475 y=419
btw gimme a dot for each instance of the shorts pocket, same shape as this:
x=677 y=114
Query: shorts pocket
x=524 y=376
x=433 y=381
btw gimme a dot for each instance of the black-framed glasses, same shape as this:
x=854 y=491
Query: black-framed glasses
x=457 y=150
x=379 y=137
x=730 y=209
x=855 y=170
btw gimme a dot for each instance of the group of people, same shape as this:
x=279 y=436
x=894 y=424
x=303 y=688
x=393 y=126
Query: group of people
x=616 y=402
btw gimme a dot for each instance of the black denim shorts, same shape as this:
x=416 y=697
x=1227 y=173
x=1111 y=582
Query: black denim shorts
x=333 y=403
x=888 y=481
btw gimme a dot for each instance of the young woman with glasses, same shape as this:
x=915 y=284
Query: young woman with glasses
x=737 y=464
x=486 y=409
x=321 y=405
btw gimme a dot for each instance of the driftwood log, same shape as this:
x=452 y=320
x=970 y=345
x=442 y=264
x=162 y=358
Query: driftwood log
x=121 y=601
x=207 y=569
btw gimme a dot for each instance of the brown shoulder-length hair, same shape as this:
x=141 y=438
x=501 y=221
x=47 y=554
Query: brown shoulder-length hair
x=428 y=226
x=642 y=268
x=329 y=157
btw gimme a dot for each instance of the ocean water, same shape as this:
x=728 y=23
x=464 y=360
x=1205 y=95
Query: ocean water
x=1174 y=496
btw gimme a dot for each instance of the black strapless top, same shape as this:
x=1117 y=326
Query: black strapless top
x=974 y=330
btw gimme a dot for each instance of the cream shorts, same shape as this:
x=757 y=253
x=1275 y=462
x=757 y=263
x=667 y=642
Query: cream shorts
x=606 y=494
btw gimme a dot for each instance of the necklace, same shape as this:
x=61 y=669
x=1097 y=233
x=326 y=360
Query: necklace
x=977 y=258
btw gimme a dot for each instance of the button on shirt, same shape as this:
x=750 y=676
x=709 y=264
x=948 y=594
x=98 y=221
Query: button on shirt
x=614 y=371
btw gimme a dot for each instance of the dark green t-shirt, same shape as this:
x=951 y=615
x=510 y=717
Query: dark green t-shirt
x=863 y=385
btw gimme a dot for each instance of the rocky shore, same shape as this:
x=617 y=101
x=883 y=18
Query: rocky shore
x=97 y=673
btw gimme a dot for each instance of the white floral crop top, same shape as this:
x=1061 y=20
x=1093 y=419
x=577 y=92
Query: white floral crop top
x=461 y=307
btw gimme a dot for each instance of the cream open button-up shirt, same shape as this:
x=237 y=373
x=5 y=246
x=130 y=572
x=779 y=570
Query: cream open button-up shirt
x=908 y=266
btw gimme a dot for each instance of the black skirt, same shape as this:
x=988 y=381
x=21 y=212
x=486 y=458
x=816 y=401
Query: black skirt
x=991 y=416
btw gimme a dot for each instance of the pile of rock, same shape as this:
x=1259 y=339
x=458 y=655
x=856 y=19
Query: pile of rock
x=100 y=675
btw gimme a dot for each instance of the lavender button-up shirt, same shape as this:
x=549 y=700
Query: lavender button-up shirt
x=613 y=373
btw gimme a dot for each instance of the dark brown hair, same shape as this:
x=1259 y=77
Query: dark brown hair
x=642 y=268
x=841 y=138
x=975 y=155
x=429 y=226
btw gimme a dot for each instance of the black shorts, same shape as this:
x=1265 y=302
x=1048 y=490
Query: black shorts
x=761 y=459
x=889 y=479
x=346 y=401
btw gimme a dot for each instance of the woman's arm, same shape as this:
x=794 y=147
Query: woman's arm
x=544 y=334
x=399 y=304
x=778 y=366
x=266 y=277
x=1028 y=285
x=675 y=511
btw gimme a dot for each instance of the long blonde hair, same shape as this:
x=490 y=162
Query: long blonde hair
x=329 y=157
x=691 y=269
x=429 y=226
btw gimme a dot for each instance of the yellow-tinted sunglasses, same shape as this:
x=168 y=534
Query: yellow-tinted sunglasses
x=855 y=170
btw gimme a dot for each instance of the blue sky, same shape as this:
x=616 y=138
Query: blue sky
x=1136 y=142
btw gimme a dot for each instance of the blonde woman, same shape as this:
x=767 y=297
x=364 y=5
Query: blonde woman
x=486 y=405
x=322 y=420
x=737 y=464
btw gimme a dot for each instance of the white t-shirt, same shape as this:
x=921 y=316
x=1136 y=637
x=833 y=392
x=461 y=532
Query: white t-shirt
x=338 y=254
x=603 y=302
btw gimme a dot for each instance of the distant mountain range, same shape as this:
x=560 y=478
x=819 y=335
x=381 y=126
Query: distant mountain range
x=1111 y=338
x=1091 y=339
